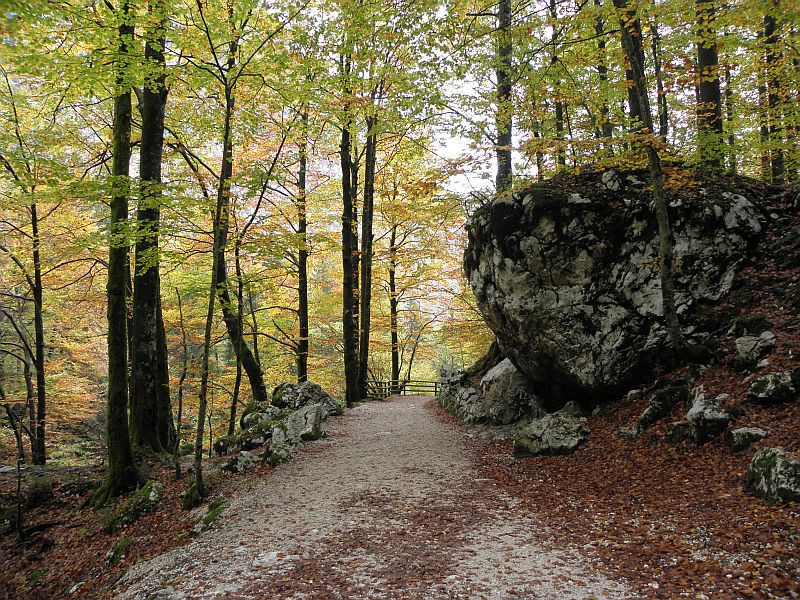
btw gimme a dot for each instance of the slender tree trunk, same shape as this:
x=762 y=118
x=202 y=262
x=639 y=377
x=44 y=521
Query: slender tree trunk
x=348 y=254
x=504 y=118
x=148 y=344
x=302 y=258
x=774 y=92
x=663 y=109
x=39 y=457
x=763 y=124
x=166 y=425
x=606 y=128
x=181 y=380
x=393 y=302
x=729 y=116
x=366 y=254
x=237 y=384
x=632 y=44
x=122 y=473
x=709 y=107
x=232 y=325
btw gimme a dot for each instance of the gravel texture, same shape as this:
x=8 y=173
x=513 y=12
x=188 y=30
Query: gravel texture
x=389 y=505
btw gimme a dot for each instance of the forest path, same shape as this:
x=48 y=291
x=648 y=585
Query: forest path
x=389 y=505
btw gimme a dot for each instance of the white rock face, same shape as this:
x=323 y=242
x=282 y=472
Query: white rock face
x=572 y=289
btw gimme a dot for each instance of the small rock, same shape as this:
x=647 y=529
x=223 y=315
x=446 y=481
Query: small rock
x=772 y=388
x=239 y=462
x=627 y=433
x=661 y=403
x=739 y=439
x=611 y=180
x=76 y=587
x=774 y=475
x=678 y=432
x=750 y=348
x=706 y=419
x=553 y=434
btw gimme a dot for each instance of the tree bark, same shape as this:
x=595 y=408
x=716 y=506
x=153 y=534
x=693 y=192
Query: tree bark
x=366 y=255
x=393 y=305
x=663 y=109
x=149 y=421
x=302 y=257
x=606 y=128
x=348 y=253
x=709 y=107
x=631 y=32
x=39 y=457
x=774 y=91
x=122 y=474
x=504 y=118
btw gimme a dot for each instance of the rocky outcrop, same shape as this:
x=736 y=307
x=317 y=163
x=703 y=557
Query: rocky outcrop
x=661 y=404
x=774 y=388
x=565 y=274
x=293 y=396
x=706 y=419
x=774 y=475
x=553 y=434
x=505 y=396
x=750 y=348
x=742 y=438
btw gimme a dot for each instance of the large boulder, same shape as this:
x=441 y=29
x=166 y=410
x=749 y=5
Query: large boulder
x=774 y=475
x=565 y=272
x=553 y=434
x=464 y=402
x=293 y=396
x=303 y=425
x=309 y=392
x=508 y=396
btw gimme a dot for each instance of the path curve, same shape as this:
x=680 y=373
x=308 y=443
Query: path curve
x=389 y=505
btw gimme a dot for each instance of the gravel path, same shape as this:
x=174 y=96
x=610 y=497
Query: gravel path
x=389 y=505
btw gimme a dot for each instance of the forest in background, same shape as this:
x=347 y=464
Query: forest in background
x=292 y=134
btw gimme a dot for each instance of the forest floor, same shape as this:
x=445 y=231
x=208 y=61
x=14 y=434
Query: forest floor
x=401 y=501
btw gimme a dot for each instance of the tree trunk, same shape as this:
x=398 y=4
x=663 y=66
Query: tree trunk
x=606 y=129
x=181 y=380
x=393 y=311
x=631 y=32
x=348 y=255
x=302 y=258
x=39 y=457
x=237 y=384
x=232 y=325
x=774 y=102
x=729 y=112
x=366 y=255
x=663 y=114
x=709 y=107
x=122 y=473
x=504 y=118
x=147 y=343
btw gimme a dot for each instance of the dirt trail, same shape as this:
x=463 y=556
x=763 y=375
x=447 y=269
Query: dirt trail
x=389 y=505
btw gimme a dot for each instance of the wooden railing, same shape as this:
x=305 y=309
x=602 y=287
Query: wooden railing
x=379 y=390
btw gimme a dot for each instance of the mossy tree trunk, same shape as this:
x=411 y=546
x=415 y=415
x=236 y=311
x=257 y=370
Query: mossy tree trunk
x=122 y=473
x=151 y=425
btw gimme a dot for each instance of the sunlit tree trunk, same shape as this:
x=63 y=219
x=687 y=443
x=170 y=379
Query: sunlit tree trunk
x=709 y=106
x=504 y=118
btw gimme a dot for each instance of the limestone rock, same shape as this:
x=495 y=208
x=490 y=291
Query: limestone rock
x=661 y=403
x=464 y=402
x=292 y=396
x=305 y=424
x=678 y=432
x=739 y=439
x=285 y=395
x=239 y=462
x=567 y=289
x=772 y=388
x=311 y=393
x=551 y=435
x=706 y=419
x=750 y=348
x=256 y=413
x=774 y=475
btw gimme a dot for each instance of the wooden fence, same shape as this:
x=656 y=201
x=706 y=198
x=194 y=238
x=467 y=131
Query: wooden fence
x=378 y=390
